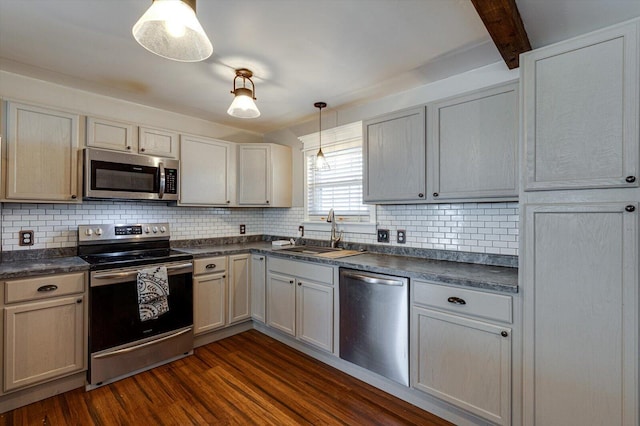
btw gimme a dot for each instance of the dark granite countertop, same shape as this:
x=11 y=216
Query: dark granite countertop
x=494 y=278
x=54 y=265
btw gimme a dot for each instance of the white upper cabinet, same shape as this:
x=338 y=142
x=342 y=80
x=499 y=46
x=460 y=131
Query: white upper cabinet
x=110 y=134
x=42 y=154
x=159 y=142
x=394 y=157
x=207 y=172
x=264 y=171
x=472 y=146
x=581 y=100
x=127 y=137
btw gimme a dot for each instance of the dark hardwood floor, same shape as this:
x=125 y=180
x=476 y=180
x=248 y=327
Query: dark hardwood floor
x=247 y=379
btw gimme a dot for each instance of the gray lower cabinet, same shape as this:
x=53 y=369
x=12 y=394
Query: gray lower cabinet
x=258 y=286
x=394 y=157
x=581 y=314
x=581 y=118
x=461 y=348
x=472 y=146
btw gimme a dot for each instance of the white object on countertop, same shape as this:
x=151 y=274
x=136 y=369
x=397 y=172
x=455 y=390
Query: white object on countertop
x=280 y=243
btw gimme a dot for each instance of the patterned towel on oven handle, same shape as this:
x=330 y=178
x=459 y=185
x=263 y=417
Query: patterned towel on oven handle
x=153 y=292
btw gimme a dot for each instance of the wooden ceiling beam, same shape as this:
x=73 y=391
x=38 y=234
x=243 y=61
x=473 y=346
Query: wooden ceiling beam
x=502 y=19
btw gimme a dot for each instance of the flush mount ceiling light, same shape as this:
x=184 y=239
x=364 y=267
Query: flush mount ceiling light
x=170 y=28
x=321 y=161
x=243 y=105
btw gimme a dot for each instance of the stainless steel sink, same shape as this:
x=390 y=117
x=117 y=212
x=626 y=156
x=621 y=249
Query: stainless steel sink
x=311 y=249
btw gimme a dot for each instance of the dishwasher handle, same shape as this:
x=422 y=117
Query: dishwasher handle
x=373 y=280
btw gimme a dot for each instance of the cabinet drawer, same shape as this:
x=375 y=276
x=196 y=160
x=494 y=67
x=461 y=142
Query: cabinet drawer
x=306 y=270
x=43 y=287
x=209 y=264
x=463 y=301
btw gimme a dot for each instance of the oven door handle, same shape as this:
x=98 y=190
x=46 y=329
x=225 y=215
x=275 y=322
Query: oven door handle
x=112 y=275
x=144 y=345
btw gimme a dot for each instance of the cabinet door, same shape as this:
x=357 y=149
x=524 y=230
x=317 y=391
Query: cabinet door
x=210 y=302
x=206 y=171
x=162 y=143
x=472 y=146
x=43 y=340
x=315 y=314
x=255 y=174
x=464 y=362
x=581 y=120
x=394 y=155
x=110 y=134
x=281 y=303
x=258 y=287
x=239 y=288
x=580 y=276
x=42 y=154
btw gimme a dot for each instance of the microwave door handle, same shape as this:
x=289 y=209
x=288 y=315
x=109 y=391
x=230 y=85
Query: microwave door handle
x=162 y=180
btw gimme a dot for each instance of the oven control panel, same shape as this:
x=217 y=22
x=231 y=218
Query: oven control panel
x=105 y=232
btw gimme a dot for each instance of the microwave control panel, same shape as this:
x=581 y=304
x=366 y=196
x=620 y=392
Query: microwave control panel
x=171 y=182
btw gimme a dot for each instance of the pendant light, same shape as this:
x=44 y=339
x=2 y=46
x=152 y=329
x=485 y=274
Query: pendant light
x=170 y=28
x=321 y=162
x=243 y=105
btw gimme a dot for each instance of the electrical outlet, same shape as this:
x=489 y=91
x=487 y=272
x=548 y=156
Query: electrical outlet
x=25 y=238
x=243 y=229
x=383 y=235
x=402 y=236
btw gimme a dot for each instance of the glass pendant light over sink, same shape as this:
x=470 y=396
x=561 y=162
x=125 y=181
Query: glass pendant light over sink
x=170 y=28
x=321 y=161
x=243 y=105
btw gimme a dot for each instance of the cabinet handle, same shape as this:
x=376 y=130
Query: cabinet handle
x=456 y=301
x=141 y=149
x=421 y=195
x=261 y=258
x=129 y=148
x=267 y=201
x=224 y=276
x=630 y=208
x=47 y=288
x=79 y=301
x=290 y=281
x=210 y=266
x=228 y=202
x=74 y=196
x=630 y=179
x=504 y=334
x=435 y=194
x=299 y=283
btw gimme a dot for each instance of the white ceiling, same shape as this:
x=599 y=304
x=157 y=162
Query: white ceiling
x=343 y=52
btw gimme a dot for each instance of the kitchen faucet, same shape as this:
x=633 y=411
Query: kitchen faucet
x=334 y=238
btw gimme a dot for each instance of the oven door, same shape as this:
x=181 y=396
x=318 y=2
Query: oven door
x=119 y=342
x=115 y=175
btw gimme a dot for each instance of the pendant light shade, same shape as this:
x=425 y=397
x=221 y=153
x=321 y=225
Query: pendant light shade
x=243 y=105
x=170 y=28
x=321 y=162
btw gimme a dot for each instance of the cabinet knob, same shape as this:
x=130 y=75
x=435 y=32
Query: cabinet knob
x=504 y=334
x=456 y=301
x=210 y=266
x=299 y=283
x=421 y=195
x=74 y=196
x=224 y=276
x=435 y=194
x=630 y=208
x=79 y=301
x=262 y=258
x=47 y=288
x=228 y=202
x=267 y=201
x=630 y=179
x=129 y=148
x=290 y=281
x=141 y=149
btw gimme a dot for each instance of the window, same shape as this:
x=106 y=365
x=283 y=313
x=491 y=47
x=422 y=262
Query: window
x=340 y=187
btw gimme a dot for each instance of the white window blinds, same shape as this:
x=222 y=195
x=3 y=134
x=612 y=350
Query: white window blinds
x=340 y=187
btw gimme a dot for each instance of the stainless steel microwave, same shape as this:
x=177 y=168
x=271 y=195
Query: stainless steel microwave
x=123 y=176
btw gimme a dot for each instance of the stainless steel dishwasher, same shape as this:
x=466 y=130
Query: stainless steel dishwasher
x=374 y=323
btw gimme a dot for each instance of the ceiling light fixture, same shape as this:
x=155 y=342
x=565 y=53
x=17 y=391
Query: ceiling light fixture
x=170 y=28
x=321 y=161
x=243 y=105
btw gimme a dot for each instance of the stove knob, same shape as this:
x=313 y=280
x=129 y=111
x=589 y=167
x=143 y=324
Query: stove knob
x=146 y=230
x=88 y=232
x=98 y=231
x=155 y=229
x=163 y=229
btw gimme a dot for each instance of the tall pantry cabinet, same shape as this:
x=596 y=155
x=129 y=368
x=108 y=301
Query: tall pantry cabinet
x=579 y=229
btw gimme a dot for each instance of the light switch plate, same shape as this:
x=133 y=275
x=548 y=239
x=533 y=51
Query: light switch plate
x=383 y=235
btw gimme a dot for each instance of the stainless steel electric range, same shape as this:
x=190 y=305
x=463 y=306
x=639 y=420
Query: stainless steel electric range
x=120 y=342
